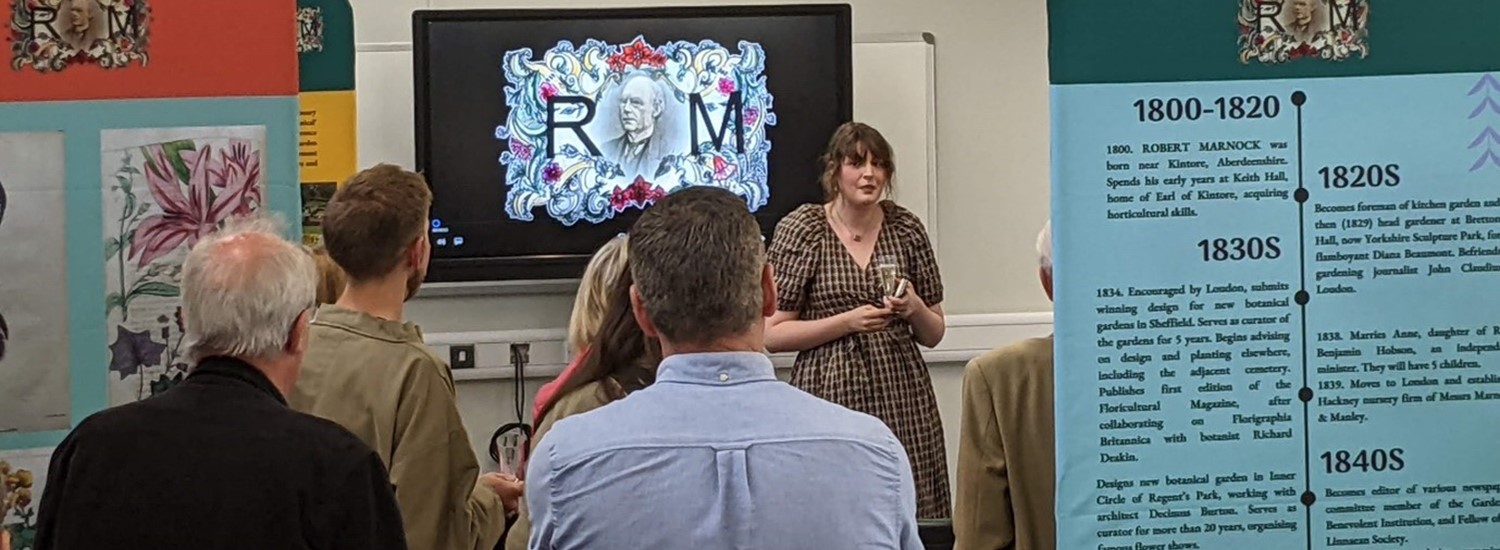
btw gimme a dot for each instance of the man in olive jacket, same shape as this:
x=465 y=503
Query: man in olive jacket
x=369 y=371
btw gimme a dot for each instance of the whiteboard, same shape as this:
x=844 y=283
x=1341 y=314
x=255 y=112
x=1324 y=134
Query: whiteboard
x=894 y=91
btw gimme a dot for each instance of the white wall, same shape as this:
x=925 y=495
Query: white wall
x=992 y=160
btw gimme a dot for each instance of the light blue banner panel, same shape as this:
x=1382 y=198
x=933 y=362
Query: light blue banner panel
x=221 y=137
x=1277 y=315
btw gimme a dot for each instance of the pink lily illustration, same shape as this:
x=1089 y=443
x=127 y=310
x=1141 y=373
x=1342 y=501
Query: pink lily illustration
x=216 y=189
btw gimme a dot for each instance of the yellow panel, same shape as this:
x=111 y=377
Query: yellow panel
x=325 y=143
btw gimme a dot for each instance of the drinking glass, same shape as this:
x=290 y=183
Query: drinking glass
x=890 y=273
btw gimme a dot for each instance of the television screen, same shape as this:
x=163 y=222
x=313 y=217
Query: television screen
x=544 y=133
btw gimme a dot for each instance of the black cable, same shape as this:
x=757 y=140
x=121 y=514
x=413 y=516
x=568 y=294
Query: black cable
x=520 y=354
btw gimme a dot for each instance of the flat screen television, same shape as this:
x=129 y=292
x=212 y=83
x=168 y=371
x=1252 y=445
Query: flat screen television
x=544 y=133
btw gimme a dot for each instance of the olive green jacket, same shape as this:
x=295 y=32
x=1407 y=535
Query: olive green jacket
x=1005 y=451
x=376 y=378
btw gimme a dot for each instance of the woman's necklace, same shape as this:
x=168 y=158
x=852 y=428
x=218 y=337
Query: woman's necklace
x=857 y=237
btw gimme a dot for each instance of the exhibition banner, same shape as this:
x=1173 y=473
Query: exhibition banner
x=1277 y=228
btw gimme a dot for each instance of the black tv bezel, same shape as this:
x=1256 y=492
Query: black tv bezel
x=542 y=267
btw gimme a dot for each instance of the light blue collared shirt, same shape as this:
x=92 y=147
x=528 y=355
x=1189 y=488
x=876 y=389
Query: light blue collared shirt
x=718 y=453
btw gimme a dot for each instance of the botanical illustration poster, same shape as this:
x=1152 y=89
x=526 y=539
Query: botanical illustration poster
x=164 y=189
x=22 y=474
x=34 y=386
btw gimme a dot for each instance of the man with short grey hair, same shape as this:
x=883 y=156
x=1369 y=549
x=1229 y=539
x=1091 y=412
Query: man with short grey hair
x=1005 y=450
x=717 y=453
x=220 y=461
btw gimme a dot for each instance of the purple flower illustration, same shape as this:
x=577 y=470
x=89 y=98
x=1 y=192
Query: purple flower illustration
x=133 y=350
x=552 y=173
x=751 y=116
x=726 y=86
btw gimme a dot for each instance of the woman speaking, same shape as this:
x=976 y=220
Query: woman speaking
x=858 y=289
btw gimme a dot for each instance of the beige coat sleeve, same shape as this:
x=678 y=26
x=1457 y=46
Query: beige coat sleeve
x=982 y=515
x=436 y=475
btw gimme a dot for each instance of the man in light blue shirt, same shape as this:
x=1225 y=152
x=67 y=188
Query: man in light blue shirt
x=718 y=453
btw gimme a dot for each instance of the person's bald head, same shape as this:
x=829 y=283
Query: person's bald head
x=244 y=292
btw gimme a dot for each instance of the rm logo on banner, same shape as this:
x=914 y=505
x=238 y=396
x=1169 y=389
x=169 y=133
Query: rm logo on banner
x=1277 y=31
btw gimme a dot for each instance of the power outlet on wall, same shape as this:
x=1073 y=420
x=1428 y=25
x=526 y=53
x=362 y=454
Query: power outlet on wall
x=520 y=354
x=461 y=356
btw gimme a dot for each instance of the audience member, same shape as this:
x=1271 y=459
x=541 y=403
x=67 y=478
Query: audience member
x=220 y=461
x=369 y=371
x=671 y=466
x=1005 y=452
x=588 y=313
x=331 y=277
x=838 y=267
x=621 y=360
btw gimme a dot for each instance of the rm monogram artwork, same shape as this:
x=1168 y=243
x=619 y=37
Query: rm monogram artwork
x=309 y=30
x=51 y=35
x=1277 y=31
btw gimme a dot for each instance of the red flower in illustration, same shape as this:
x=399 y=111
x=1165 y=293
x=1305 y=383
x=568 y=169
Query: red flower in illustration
x=216 y=189
x=723 y=170
x=548 y=91
x=726 y=86
x=637 y=54
x=640 y=193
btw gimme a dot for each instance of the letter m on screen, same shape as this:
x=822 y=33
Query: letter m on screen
x=733 y=120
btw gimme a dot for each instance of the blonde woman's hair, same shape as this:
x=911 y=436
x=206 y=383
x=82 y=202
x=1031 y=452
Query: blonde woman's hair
x=331 y=277
x=594 y=291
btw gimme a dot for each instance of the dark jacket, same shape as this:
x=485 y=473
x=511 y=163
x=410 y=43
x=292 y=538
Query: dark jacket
x=219 y=462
